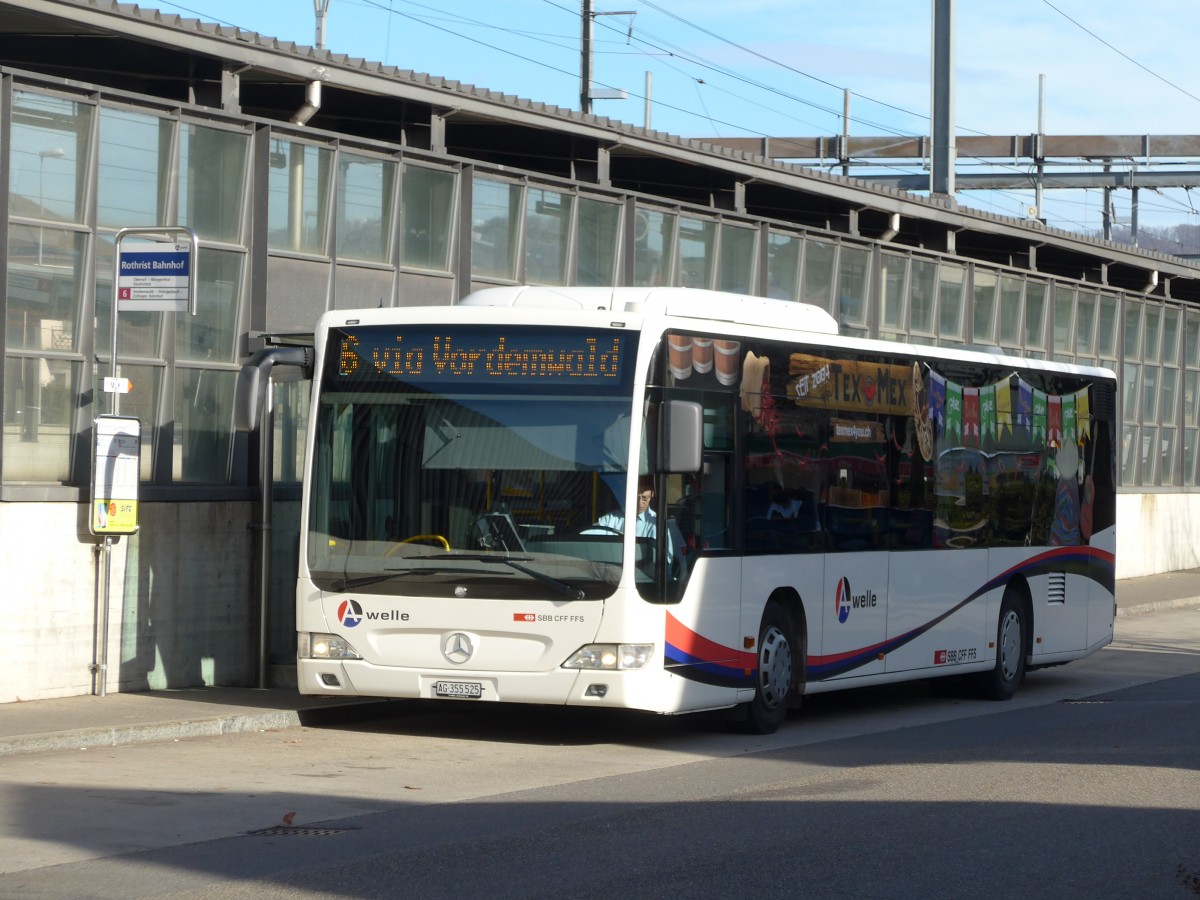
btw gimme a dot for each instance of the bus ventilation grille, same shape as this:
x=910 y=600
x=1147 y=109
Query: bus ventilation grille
x=1056 y=589
x=1104 y=401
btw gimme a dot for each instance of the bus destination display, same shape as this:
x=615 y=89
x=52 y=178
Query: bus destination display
x=495 y=356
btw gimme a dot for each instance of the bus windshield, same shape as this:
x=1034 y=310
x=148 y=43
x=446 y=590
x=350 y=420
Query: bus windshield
x=465 y=482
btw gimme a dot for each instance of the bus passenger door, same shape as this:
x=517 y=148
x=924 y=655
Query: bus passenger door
x=854 y=617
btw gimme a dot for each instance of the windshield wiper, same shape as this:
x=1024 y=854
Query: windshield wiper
x=349 y=584
x=561 y=586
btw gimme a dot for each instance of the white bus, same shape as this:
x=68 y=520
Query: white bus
x=835 y=512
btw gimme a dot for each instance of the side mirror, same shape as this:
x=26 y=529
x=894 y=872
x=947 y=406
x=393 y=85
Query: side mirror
x=254 y=377
x=681 y=433
x=247 y=398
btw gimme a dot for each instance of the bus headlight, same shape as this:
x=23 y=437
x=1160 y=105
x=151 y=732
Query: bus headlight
x=610 y=656
x=325 y=646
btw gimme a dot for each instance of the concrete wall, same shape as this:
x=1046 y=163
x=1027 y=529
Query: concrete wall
x=183 y=610
x=1157 y=533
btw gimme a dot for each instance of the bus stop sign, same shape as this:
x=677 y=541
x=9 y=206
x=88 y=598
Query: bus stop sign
x=154 y=276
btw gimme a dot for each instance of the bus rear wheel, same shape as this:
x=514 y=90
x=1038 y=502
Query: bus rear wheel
x=1002 y=681
x=775 y=676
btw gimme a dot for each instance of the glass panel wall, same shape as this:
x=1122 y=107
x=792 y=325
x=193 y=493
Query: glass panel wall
x=133 y=188
x=38 y=435
x=364 y=207
x=291 y=426
x=547 y=235
x=203 y=433
x=42 y=367
x=427 y=217
x=1085 y=328
x=854 y=267
x=298 y=188
x=598 y=243
x=495 y=228
x=203 y=425
x=950 y=302
x=1064 y=323
x=697 y=260
x=212 y=182
x=1035 y=319
x=923 y=301
x=1191 y=397
x=1169 y=397
x=817 y=281
x=893 y=287
x=47 y=171
x=784 y=252
x=983 y=309
x=1131 y=392
x=1106 y=328
x=738 y=259
x=212 y=334
x=1010 y=312
x=653 y=247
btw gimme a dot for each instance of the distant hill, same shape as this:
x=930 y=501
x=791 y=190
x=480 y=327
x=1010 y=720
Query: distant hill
x=1174 y=240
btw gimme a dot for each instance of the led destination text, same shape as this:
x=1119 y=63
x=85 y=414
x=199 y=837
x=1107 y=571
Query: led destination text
x=441 y=357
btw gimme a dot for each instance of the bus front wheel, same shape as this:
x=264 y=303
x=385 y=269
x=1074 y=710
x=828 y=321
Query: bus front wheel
x=775 y=676
x=1002 y=681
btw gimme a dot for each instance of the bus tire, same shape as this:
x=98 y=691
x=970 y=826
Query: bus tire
x=775 y=675
x=1003 y=679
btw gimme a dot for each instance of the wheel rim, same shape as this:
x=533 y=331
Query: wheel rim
x=774 y=668
x=1010 y=645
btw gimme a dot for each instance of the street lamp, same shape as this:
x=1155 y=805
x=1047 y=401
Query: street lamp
x=43 y=155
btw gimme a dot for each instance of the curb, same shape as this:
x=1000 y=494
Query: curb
x=214 y=726
x=1157 y=605
x=104 y=736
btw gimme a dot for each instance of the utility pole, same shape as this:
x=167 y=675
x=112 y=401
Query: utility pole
x=321 y=8
x=587 y=20
x=941 y=173
x=1039 y=150
x=585 y=62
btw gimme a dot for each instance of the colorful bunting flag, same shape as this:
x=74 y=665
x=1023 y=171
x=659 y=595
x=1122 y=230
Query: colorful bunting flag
x=1004 y=419
x=1038 y=422
x=1054 y=429
x=937 y=403
x=1083 y=416
x=987 y=413
x=954 y=411
x=1068 y=419
x=971 y=416
x=1024 y=406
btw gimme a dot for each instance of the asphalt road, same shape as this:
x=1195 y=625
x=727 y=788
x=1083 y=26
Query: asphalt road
x=1086 y=784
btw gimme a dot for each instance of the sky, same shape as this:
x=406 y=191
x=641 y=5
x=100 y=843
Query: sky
x=725 y=68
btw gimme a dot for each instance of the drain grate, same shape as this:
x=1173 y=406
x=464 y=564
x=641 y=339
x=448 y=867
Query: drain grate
x=1084 y=702
x=297 y=831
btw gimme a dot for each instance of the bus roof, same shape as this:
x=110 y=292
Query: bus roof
x=721 y=306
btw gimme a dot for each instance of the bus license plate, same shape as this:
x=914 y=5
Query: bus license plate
x=471 y=690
